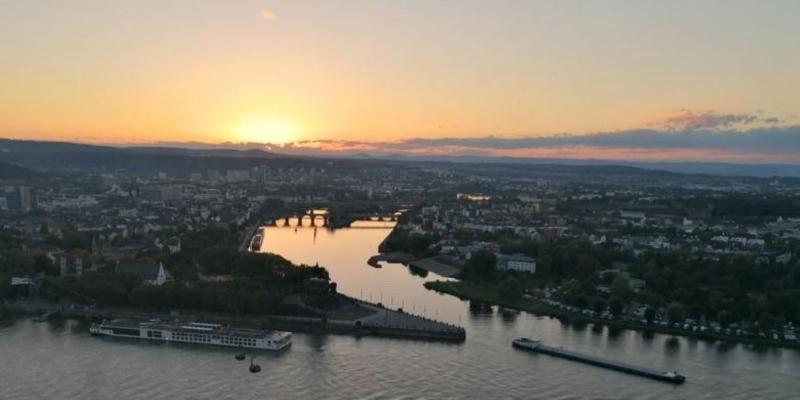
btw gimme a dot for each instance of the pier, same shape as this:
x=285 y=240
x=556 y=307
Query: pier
x=537 y=346
x=364 y=319
x=394 y=257
x=431 y=264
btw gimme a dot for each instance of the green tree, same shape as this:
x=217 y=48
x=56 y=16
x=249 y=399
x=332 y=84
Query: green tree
x=5 y=285
x=649 y=315
x=586 y=265
x=582 y=301
x=600 y=305
x=621 y=288
x=482 y=265
x=615 y=306
x=675 y=312
x=571 y=290
x=510 y=289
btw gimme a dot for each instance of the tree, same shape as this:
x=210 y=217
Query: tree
x=768 y=322
x=571 y=290
x=184 y=271
x=582 y=301
x=600 y=305
x=586 y=265
x=675 y=312
x=510 y=289
x=648 y=297
x=482 y=265
x=44 y=265
x=217 y=260
x=608 y=277
x=621 y=289
x=616 y=306
x=725 y=318
x=649 y=314
x=5 y=286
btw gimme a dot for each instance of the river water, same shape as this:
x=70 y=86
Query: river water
x=59 y=360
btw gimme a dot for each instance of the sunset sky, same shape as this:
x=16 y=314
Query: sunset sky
x=716 y=80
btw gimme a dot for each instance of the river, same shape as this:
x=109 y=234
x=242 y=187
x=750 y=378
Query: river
x=59 y=360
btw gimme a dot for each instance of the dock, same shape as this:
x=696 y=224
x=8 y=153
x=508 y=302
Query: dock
x=431 y=264
x=394 y=257
x=538 y=347
x=361 y=319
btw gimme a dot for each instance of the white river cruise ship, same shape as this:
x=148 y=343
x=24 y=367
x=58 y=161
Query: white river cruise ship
x=193 y=332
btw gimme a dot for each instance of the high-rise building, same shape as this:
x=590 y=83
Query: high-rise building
x=19 y=198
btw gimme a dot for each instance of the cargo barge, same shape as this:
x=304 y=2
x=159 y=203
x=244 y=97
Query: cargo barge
x=537 y=346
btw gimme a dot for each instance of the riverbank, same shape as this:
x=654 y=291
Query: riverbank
x=433 y=265
x=393 y=257
x=430 y=264
x=364 y=319
x=487 y=294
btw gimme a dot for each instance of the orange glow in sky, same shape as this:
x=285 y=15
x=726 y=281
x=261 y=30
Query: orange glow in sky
x=267 y=130
x=284 y=71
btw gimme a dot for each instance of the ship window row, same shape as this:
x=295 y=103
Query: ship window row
x=207 y=339
x=192 y=337
x=125 y=331
x=238 y=341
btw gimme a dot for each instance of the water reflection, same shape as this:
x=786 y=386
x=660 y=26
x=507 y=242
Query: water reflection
x=344 y=252
x=317 y=342
x=480 y=309
x=57 y=325
x=417 y=271
x=615 y=332
x=508 y=315
x=672 y=345
x=375 y=224
x=579 y=325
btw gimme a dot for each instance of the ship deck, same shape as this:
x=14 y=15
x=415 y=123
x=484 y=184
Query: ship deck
x=186 y=327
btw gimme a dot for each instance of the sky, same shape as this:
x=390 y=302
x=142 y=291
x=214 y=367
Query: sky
x=667 y=80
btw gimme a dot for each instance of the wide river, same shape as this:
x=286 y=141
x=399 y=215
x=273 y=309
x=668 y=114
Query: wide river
x=59 y=360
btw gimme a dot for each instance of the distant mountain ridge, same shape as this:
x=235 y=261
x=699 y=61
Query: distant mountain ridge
x=684 y=167
x=41 y=155
x=10 y=172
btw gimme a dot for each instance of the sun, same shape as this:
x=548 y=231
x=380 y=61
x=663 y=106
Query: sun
x=272 y=130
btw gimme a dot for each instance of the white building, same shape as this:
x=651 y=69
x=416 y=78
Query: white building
x=516 y=262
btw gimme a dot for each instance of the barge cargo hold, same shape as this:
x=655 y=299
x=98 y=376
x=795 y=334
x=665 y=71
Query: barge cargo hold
x=537 y=346
x=193 y=332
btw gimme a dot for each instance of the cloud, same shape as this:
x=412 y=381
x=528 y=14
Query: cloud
x=687 y=135
x=778 y=139
x=689 y=119
x=267 y=15
x=755 y=144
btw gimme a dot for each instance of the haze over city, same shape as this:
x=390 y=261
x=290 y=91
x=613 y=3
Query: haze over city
x=442 y=199
x=679 y=80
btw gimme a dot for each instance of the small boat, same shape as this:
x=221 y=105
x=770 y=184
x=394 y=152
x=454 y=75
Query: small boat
x=254 y=367
x=240 y=356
